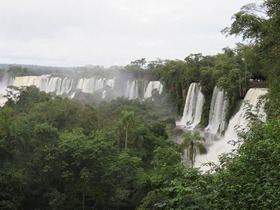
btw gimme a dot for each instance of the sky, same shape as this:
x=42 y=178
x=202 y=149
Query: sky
x=112 y=32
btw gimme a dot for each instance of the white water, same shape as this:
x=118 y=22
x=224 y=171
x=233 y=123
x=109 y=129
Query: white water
x=217 y=114
x=151 y=86
x=193 y=107
x=4 y=82
x=223 y=146
x=131 y=89
x=69 y=87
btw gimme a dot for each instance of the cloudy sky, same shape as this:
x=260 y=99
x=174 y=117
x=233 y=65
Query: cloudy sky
x=112 y=32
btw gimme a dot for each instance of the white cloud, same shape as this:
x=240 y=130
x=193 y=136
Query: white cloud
x=108 y=32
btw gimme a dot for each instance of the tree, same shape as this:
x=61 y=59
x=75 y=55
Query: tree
x=18 y=71
x=79 y=167
x=12 y=183
x=193 y=143
x=249 y=179
x=127 y=121
x=260 y=23
x=24 y=98
x=89 y=119
x=7 y=114
x=61 y=113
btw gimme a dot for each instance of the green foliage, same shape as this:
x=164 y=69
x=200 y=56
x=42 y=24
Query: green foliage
x=18 y=71
x=59 y=154
x=136 y=69
x=89 y=119
x=65 y=155
x=192 y=143
x=229 y=70
x=182 y=192
x=64 y=114
x=26 y=97
x=260 y=23
x=127 y=121
x=12 y=184
x=250 y=180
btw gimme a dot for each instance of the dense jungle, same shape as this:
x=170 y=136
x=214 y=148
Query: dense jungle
x=62 y=153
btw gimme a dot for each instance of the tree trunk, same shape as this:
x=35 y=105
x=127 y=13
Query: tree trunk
x=83 y=201
x=126 y=137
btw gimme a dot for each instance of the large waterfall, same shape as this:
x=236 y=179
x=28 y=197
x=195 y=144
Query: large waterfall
x=63 y=86
x=251 y=103
x=73 y=87
x=217 y=114
x=193 y=107
x=136 y=89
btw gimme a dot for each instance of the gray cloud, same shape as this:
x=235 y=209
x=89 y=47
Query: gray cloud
x=108 y=32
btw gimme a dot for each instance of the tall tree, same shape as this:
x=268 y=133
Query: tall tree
x=193 y=143
x=127 y=121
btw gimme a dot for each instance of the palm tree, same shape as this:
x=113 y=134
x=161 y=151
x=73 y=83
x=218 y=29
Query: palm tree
x=126 y=121
x=192 y=142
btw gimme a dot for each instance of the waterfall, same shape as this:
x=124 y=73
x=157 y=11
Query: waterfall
x=193 y=107
x=63 y=86
x=131 y=89
x=252 y=102
x=69 y=87
x=217 y=114
x=29 y=80
x=56 y=85
x=151 y=86
x=4 y=82
x=66 y=86
x=222 y=146
x=91 y=85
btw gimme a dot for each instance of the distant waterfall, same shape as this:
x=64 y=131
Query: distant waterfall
x=93 y=84
x=239 y=119
x=4 y=82
x=57 y=85
x=38 y=81
x=64 y=86
x=217 y=114
x=151 y=86
x=101 y=88
x=131 y=89
x=193 y=107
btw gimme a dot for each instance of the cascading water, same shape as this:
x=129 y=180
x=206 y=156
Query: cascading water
x=56 y=85
x=217 y=114
x=151 y=86
x=91 y=85
x=131 y=89
x=69 y=87
x=29 y=80
x=63 y=86
x=193 y=107
x=4 y=82
x=222 y=146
